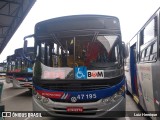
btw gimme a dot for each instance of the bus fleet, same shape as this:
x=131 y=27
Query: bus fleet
x=79 y=66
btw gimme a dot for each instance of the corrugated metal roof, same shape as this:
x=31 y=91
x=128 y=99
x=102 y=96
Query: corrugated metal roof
x=12 y=13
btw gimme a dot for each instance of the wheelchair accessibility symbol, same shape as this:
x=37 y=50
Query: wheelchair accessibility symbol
x=81 y=72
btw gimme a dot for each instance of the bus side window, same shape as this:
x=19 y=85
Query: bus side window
x=150 y=31
x=143 y=55
x=153 y=55
x=148 y=50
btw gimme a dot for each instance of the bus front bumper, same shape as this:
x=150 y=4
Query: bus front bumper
x=20 y=84
x=91 y=110
x=9 y=80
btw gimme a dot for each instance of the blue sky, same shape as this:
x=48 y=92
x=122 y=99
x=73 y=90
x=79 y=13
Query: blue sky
x=132 y=14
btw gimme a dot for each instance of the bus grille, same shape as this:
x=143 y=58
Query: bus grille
x=80 y=85
x=69 y=101
x=75 y=87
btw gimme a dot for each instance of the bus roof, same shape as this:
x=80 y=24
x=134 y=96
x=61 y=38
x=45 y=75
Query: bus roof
x=98 y=23
x=10 y=57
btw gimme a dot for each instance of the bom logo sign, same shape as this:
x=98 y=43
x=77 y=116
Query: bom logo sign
x=95 y=74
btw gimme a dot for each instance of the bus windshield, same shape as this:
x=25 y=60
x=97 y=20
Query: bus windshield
x=22 y=64
x=95 y=52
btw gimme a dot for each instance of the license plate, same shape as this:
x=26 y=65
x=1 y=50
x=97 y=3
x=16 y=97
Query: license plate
x=74 y=109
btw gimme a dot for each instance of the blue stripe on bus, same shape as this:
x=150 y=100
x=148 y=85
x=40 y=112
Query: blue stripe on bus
x=102 y=93
x=133 y=70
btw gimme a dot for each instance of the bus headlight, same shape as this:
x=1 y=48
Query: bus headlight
x=121 y=91
x=45 y=100
x=106 y=100
x=115 y=96
x=39 y=97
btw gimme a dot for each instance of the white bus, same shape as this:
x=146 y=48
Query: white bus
x=142 y=68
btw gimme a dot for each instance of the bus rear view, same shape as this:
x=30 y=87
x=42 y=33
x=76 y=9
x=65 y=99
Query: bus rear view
x=79 y=70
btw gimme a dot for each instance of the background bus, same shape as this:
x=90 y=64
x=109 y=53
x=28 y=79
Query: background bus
x=10 y=68
x=79 y=68
x=143 y=65
x=20 y=69
x=23 y=68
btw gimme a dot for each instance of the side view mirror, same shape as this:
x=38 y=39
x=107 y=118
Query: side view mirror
x=25 y=46
x=125 y=50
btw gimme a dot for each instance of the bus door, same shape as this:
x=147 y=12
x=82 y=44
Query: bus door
x=133 y=69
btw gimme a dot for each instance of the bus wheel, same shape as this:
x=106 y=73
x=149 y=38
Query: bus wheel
x=123 y=113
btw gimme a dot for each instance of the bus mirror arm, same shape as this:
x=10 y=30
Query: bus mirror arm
x=31 y=61
x=26 y=42
x=25 y=48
